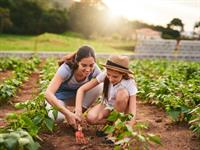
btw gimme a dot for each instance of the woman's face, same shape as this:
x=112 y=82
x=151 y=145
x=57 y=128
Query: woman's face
x=86 y=66
x=114 y=76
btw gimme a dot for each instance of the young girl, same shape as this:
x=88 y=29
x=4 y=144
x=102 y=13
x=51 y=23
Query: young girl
x=74 y=71
x=119 y=91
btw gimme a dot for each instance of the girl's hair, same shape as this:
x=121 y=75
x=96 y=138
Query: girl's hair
x=72 y=59
x=106 y=85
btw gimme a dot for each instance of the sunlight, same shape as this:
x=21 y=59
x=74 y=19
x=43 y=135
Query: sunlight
x=156 y=11
x=127 y=8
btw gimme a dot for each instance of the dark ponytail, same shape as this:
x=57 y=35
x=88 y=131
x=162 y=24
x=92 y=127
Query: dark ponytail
x=105 y=88
x=72 y=59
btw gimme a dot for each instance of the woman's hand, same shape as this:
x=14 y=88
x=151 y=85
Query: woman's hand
x=73 y=119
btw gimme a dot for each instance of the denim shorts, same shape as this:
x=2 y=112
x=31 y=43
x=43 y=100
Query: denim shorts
x=66 y=95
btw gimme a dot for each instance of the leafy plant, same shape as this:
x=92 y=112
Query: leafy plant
x=173 y=85
x=195 y=120
x=17 y=140
x=126 y=137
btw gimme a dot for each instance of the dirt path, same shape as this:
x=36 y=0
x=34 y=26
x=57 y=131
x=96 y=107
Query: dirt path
x=4 y=75
x=25 y=92
x=173 y=137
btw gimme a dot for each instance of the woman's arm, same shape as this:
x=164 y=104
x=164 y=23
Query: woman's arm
x=50 y=94
x=132 y=109
x=80 y=93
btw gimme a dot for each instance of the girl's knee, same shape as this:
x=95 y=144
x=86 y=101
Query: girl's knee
x=94 y=118
x=122 y=98
x=91 y=118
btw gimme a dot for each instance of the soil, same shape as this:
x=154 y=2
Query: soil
x=26 y=91
x=4 y=75
x=173 y=136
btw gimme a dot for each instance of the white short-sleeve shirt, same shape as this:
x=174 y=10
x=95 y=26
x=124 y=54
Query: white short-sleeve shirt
x=129 y=85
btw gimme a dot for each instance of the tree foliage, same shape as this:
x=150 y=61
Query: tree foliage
x=32 y=17
x=5 y=21
x=175 y=24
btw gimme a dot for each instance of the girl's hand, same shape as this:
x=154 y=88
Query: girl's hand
x=79 y=115
x=73 y=119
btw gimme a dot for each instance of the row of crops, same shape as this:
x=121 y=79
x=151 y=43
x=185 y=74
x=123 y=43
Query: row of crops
x=23 y=129
x=21 y=70
x=171 y=85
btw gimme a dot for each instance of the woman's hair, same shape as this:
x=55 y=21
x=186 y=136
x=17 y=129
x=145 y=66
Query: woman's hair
x=106 y=84
x=72 y=59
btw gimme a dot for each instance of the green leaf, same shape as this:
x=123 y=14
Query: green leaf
x=37 y=119
x=109 y=129
x=113 y=116
x=117 y=147
x=49 y=123
x=141 y=138
x=174 y=114
x=55 y=114
x=154 y=138
x=124 y=134
x=11 y=143
x=11 y=116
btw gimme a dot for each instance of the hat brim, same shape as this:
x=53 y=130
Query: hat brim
x=117 y=69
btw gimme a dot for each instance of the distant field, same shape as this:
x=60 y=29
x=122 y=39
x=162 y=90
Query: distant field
x=61 y=42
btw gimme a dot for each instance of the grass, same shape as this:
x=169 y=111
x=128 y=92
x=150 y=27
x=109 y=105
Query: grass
x=61 y=42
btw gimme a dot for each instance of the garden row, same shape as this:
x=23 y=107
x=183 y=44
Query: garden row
x=21 y=70
x=173 y=85
x=23 y=129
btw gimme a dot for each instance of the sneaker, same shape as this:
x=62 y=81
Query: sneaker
x=100 y=133
x=108 y=141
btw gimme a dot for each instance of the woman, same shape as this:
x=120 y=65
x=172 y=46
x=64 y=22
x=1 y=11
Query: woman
x=119 y=91
x=74 y=71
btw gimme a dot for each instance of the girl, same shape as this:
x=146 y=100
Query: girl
x=75 y=70
x=119 y=91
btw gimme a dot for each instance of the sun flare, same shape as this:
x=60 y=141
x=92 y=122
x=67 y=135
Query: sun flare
x=156 y=11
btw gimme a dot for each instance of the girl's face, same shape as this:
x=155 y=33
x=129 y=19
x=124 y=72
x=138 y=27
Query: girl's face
x=114 y=76
x=86 y=66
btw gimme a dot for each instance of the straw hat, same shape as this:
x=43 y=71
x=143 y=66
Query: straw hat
x=118 y=63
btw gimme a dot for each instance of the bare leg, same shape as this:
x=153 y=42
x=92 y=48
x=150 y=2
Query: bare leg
x=122 y=98
x=98 y=114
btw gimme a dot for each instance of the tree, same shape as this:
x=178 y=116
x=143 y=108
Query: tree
x=54 y=21
x=197 y=27
x=176 y=24
x=5 y=21
x=86 y=17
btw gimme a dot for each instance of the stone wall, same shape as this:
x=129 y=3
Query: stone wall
x=155 y=46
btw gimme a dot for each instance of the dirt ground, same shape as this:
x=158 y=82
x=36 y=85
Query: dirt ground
x=173 y=136
x=5 y=74
x=25 y=92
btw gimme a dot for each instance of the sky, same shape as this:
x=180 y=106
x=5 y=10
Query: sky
x=157 y=12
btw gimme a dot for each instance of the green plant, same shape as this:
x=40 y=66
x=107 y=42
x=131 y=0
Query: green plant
x=17 y=140
x=126 y=137
x=195 y=120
